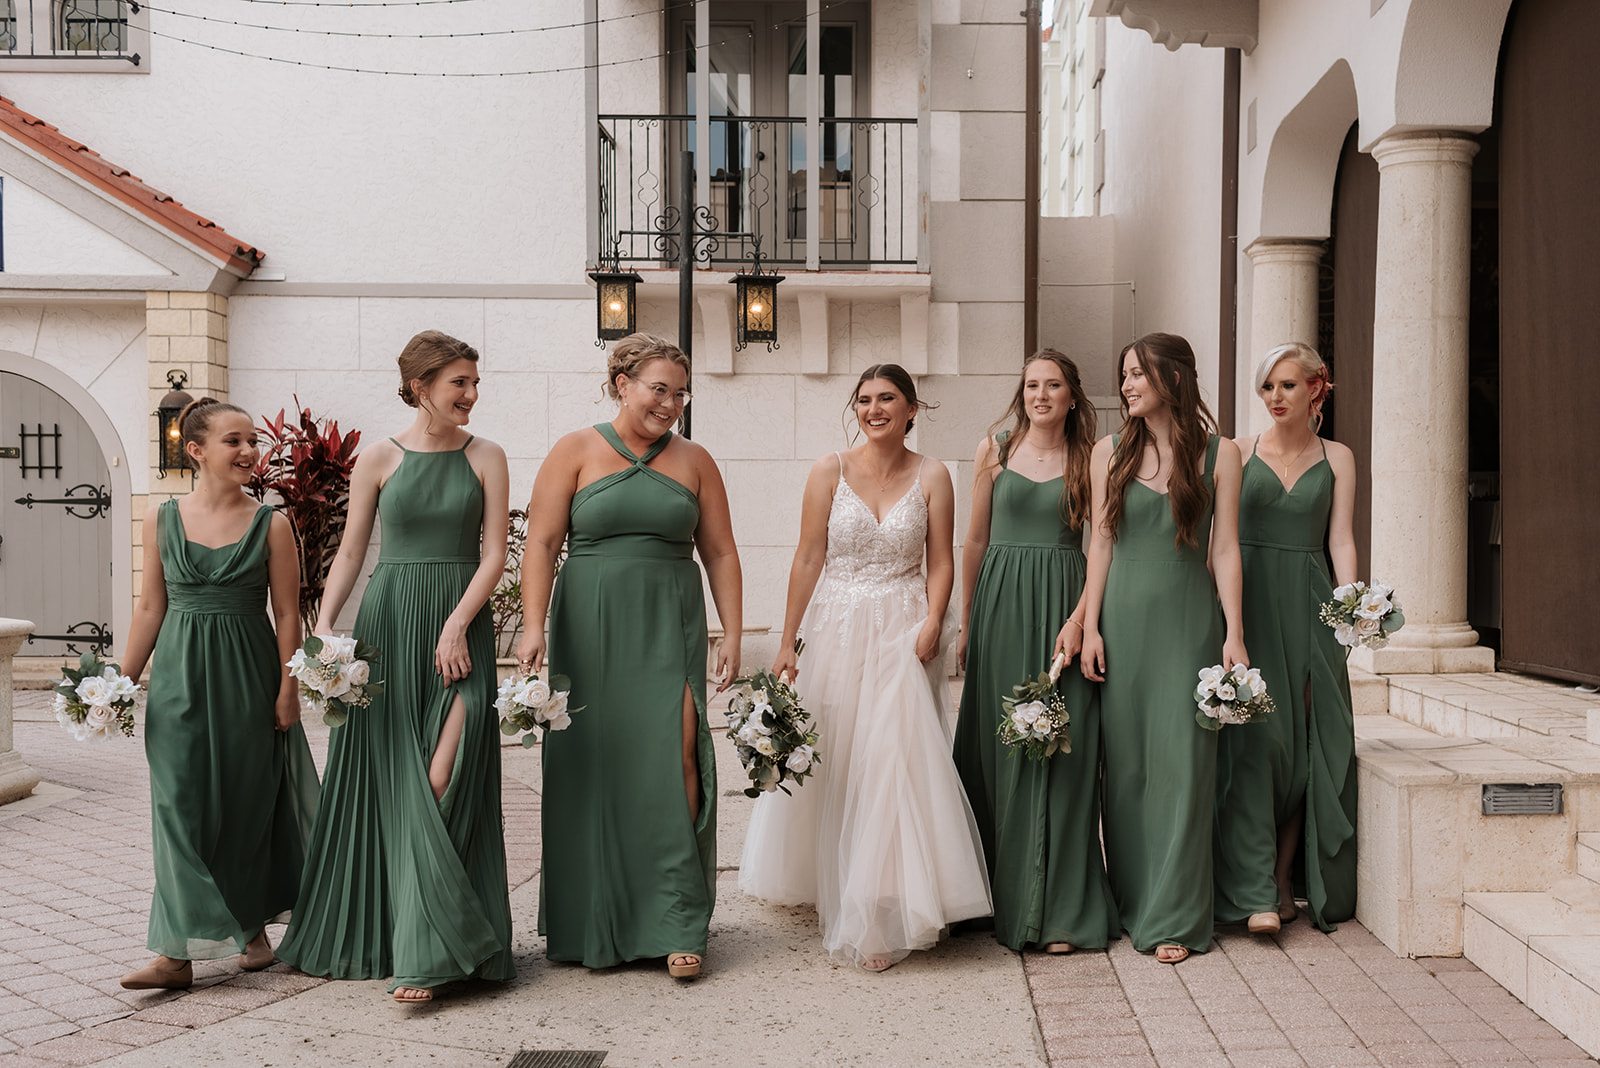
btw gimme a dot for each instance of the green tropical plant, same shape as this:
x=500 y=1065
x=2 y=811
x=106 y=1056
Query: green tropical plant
x=306 y=464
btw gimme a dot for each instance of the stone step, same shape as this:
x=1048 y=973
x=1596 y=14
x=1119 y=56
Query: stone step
x=1545 y=951
x=1369 y=693
x=38 y=672
x=1589 y=856
x=1498 y=705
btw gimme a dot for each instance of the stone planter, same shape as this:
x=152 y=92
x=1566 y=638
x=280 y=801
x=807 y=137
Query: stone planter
x=17 y=780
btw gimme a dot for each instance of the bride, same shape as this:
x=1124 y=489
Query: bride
x=881 y=838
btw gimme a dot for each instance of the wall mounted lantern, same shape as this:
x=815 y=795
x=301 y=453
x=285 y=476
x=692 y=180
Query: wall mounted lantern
x=756 y=304
x=616 y=301
x=171 y=456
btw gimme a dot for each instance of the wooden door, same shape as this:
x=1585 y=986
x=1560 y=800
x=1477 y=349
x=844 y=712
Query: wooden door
x=55 y=522
x=1549 y=320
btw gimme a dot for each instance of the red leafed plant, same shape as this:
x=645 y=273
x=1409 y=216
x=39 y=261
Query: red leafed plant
x=307 y=465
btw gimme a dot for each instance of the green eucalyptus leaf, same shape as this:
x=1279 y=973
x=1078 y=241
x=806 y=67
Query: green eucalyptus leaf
x=1394 y=622
x=334 y=717
x=560 y=682
x=529 y=740
x=508 y=728
x=313 y=645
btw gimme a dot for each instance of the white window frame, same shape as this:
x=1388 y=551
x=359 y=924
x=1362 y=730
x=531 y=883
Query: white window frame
x=36 y=52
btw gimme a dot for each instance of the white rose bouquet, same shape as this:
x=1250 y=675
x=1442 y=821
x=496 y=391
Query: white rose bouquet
x=1230 y=696
x=335 y=675
x=527 y=701
x=94 y=700
x=772 y=733
x=1036 y=717
x=1363 y=615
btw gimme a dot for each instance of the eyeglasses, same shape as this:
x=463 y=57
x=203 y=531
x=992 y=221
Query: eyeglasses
x=663 y=394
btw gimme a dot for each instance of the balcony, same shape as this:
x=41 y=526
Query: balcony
x=71 y=34
x=849 y=203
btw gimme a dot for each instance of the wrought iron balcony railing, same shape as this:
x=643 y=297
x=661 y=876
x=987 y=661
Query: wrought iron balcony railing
x=66 y=29
x=760 y=185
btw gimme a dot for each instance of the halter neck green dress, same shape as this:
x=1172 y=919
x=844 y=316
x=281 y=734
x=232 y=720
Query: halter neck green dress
x=1162 y=624
x=398 y=884
x=231 y=797
x=1306 y=751
x=1039 y=823
x=626 y=875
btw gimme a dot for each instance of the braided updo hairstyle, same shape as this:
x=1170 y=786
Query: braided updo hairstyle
x=425 y=356
x=633 y=352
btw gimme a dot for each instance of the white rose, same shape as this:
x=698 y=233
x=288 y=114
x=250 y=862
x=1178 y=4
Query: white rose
x=534 y=693
x=799 y=761
x=1344 y=634
x=749 y=734
x=1373 y=604
x=759 y=697
x=559 y=721
x=1347 y=591
x=1366 y=627
x=94 y=690
x=1030 y=711
x=99 y=717
x=765 y=747
x=1021 y=725
x=1211 y=676
x=555 y=706
x=337 y=686
x=1226 y=691
x=122 y=687
x=758 y=722
x=359 y=672
x=1383 y=588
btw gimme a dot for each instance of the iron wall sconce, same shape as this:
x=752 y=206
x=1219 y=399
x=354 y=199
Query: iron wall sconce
x=756 y=305
x=170 y=455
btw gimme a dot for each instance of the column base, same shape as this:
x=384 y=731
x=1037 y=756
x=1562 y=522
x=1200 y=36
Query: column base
x=1414 y=660
x=17 y=779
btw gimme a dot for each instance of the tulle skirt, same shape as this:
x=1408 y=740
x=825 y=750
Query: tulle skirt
x=881 y=838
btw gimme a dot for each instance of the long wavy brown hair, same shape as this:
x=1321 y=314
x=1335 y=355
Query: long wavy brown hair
x=1169 y=368
x=1079 y=429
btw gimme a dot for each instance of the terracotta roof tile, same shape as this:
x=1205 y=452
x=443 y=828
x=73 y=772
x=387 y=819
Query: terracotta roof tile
x=38 y=135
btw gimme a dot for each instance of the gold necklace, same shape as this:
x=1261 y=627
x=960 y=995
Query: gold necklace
x=1290 y=465
x=1042 y=455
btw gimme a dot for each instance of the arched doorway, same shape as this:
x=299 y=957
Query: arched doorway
x=56 y=544
x=1549 y=318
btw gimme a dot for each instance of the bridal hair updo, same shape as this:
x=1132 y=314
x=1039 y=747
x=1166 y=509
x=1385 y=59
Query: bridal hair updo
x=629 y=355
x=1169 y=369
x=194 y=422
x=900 y=379
x=425 y=356
x=1303 y=356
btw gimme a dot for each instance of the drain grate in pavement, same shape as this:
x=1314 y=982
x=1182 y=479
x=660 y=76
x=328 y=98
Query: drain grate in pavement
x=558 y=1058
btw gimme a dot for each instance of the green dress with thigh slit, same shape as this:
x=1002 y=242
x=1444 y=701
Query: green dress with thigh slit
x=1306 y=750
x=1161 y=623
x=1039 y=823
x=398 y=883
x=231 y=797
x=626 y=874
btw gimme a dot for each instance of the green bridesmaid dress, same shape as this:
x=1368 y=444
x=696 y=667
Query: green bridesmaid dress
x=1039 y=823
x=1306 y=751
x=626 y=874
x=397 y=883
x=1161 y=623
x=231 y=797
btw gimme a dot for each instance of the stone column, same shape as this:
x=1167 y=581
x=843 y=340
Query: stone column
x=1283 y=308
x=17 y=780
x=1419 y=400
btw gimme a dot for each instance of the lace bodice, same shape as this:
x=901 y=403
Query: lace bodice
x=872 y=561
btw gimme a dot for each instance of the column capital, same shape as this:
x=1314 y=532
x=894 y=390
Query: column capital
x=1286 y=250
x=1425 y=146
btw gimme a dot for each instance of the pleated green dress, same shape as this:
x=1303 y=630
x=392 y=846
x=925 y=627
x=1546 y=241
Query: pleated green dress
x=1306 y=751
x=1162 y=624
x=626 y=874
x=1039 y=823
x=231 y=797
x=398 y=884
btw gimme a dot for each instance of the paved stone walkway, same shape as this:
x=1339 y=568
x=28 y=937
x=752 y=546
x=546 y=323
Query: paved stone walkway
x=75 y=882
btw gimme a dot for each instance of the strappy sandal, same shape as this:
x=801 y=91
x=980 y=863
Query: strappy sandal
x=683 y=965
x=1168 y=953
x=412 y=995
x=876 y=964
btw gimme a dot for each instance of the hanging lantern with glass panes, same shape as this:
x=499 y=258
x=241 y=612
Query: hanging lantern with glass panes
x=170 y=456
x=756 y=305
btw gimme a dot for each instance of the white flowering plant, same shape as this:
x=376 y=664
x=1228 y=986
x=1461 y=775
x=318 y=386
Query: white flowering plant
x=1363 y=615
x=1230 y=696
x=527 y=701
x=94 y=700
x=335 y=675
x=1036 y=720
x=772 y=732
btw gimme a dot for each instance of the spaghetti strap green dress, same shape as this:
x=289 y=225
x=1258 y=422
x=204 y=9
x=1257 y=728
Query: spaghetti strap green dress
x=231 y=797
x=1306 y=751
x=397 y=883
x=1161 y=623
x=626 y=874
x=1039 y=823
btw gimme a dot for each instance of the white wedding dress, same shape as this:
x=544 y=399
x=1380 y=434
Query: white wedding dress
x=881 y=838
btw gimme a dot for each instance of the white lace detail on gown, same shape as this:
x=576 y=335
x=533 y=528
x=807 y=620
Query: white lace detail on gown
x=881 y=838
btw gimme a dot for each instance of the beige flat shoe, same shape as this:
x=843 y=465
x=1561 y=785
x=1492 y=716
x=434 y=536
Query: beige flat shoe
x=1059 y=947
x=1264 y=923
x=157 y=976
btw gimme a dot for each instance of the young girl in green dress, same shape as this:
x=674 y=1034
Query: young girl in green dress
x=1022 y=578
x=1165 y=521
x=407 y=872
x=1288 y=784
x=232 y=786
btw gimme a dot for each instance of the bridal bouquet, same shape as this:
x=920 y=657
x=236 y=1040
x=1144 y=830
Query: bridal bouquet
x=1363 y=615
x=527 y=701
x=94 y=699
x=1036 y=718
x=335 y=675
x=772 y=733
x=1236 y=696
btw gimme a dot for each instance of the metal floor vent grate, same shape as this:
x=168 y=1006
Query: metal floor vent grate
x=1522 y=799
x=558 y=1058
